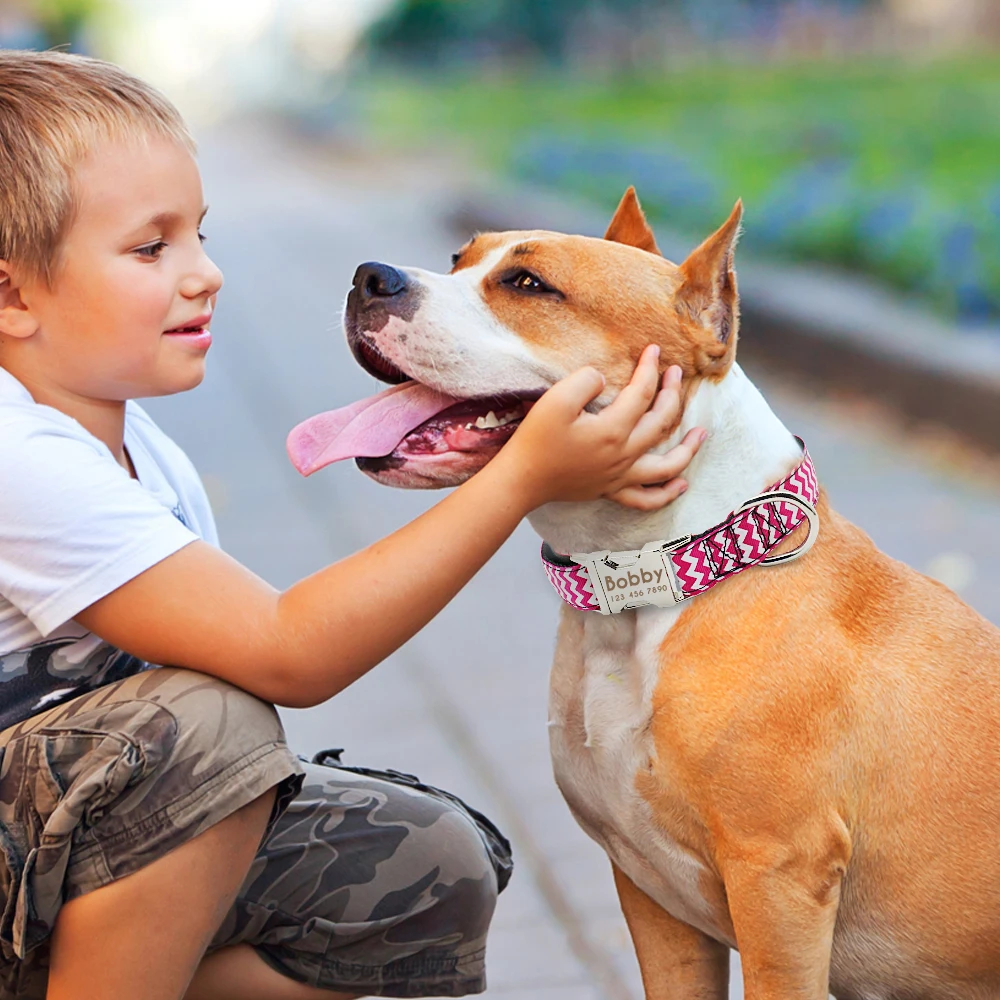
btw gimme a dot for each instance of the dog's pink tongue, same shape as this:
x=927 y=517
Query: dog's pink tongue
x=369 y=428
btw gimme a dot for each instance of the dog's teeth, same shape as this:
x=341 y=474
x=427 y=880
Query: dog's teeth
x=468 y=427
x=491 y=420
x=488 y=422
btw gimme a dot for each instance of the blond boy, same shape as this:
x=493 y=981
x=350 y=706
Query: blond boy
x=157 y=837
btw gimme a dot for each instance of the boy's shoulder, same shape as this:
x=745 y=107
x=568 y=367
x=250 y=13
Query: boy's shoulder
x=21 y=417
x=18 y=410
x=31 y=428
x=47 y=452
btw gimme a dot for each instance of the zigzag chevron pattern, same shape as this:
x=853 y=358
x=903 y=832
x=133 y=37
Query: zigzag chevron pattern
x=741 y=541
x=573 y=585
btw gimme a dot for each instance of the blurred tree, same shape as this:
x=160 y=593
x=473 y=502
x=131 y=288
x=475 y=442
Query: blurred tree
x=436 y=31
x=63 y=22
x=431 y=31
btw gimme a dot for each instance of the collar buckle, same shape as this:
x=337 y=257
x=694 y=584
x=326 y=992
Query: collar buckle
x=634 y=578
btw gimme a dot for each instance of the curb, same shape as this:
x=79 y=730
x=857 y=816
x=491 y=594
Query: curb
x=832 y=331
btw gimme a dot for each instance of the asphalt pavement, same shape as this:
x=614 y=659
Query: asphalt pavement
x=464 y=703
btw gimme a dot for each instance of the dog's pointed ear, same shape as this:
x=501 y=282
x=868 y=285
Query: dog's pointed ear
x=629 y=225
x=708 y=287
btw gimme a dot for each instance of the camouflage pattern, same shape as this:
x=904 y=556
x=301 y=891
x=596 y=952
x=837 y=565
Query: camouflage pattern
x=99 y=786
x=363 y=883
x=373 y=884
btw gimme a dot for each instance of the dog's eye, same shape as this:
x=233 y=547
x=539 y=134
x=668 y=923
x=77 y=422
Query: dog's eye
x=525 y=281
x=455 y=257
x=528 y=283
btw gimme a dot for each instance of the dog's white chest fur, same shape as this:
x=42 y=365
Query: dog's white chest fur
x=600 y=708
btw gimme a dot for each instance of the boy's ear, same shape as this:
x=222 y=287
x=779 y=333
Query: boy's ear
x=629 y=225
x=708 y=288
x=16 y=319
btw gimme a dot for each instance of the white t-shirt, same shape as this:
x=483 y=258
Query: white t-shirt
x=74 y=526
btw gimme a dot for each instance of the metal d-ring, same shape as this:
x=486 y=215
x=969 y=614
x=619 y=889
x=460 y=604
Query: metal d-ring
x=796 y=501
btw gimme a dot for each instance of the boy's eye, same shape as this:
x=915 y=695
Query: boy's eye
x=151 y=250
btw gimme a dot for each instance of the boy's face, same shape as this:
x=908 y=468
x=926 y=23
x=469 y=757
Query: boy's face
x=131 y=281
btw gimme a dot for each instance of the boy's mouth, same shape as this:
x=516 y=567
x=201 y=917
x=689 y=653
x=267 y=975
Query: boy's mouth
x=196 y=326
x=409 y=432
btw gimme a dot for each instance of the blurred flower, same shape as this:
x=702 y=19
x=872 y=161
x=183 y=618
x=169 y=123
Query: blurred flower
x=799 y=198
x=665 y=180
x=821 y=209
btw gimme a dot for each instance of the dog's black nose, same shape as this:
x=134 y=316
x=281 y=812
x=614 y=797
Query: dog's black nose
x=378 y=281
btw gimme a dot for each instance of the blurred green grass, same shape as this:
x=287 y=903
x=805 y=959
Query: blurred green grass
x=887 y=167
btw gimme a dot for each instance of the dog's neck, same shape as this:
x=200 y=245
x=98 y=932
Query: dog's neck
x=748 y=449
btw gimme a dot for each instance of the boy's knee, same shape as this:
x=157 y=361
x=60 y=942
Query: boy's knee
x=450 y=850
x=407 y=853
x=465 y=887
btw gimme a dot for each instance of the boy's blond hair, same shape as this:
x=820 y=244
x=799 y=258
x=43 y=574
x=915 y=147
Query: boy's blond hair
x=53 y=106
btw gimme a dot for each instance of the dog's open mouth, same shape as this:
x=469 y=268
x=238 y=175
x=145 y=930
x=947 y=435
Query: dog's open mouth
x=431 y=438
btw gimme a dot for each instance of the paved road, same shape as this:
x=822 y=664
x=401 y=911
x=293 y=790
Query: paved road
x=464 y=704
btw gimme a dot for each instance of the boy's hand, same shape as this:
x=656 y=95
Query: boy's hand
x=561 y=452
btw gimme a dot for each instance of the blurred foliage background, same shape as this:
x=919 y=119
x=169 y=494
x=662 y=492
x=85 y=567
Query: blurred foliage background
x=50 y=23
x=861 y=134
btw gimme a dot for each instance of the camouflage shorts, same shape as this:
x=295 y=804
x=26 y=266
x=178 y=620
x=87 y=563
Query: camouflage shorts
x=366 y=882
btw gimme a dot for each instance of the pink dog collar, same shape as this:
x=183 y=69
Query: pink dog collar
x=665 y=573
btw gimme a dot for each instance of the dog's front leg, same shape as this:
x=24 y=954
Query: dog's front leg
x=677 y=962
x=783 y=905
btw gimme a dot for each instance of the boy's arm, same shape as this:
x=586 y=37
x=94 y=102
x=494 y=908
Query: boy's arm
x=199 y=608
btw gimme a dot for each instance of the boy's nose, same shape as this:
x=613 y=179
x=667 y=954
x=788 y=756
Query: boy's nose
x=206 y=280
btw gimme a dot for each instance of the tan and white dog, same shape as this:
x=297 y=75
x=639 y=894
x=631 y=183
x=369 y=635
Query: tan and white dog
x=802 y=763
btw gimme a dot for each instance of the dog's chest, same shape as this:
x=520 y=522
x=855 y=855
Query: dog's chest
x=600 y=706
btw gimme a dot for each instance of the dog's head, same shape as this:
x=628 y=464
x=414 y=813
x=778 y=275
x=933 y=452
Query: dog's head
x=469 y=351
